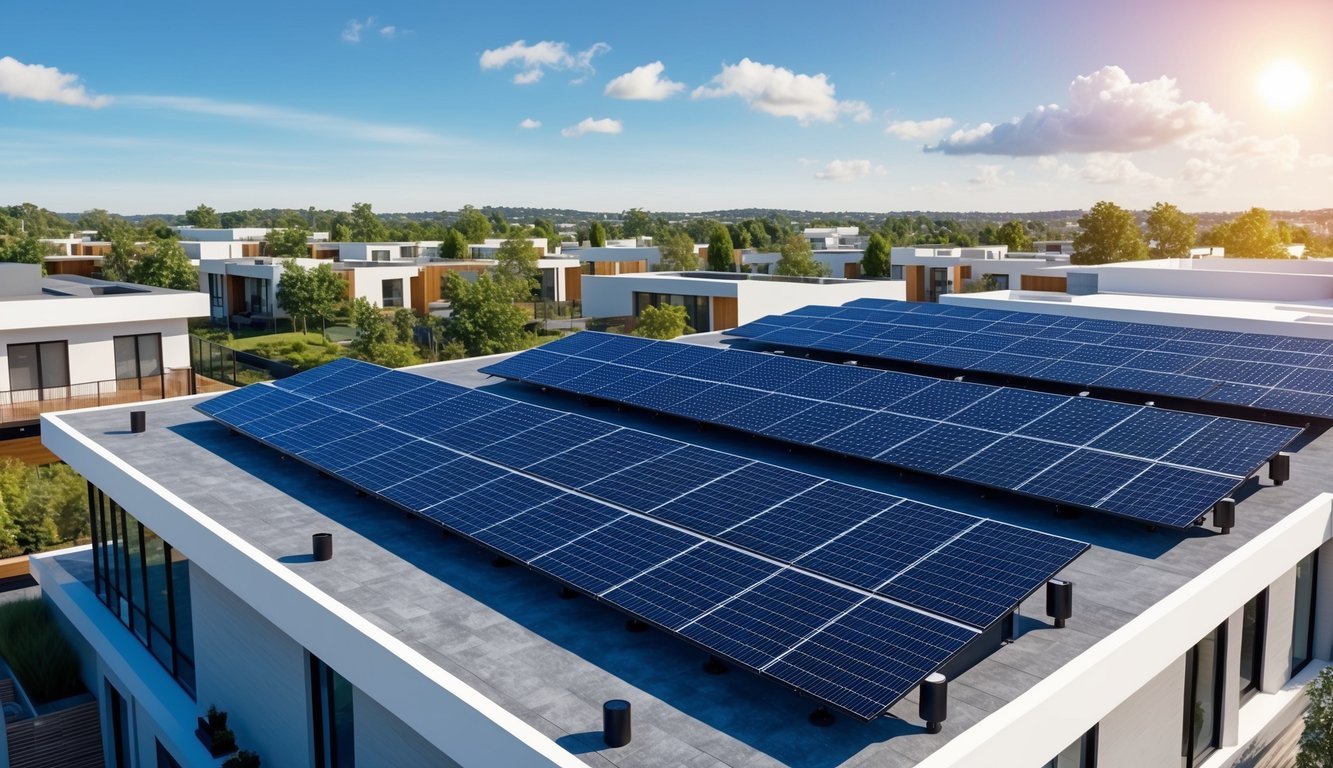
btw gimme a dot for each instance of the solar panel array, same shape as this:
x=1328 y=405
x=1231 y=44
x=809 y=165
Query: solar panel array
x=849 y=595
x=1159 y=466
x=1284 y=374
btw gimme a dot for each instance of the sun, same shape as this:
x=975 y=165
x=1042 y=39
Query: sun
x=1285 y=84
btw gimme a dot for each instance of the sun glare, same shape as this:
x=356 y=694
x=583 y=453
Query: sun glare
x=1285 y=84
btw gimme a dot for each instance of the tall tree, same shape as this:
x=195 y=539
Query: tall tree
x=637 y=222
x=165 y=265
x=597 y=235
x=875 y=260
x=473 y=224
x=376 y=338
x=1252 y=235
x=117 y=264
x=1170 y=232
x=294 y=294
x=677 y=249
x=26 y=250
x=203 y=217
x=546 y=228
x=798 y=260
x=102 y=222
x=1014 y=235
x=454 y=245
x=1108 y=234
x=482 y=317
x=366 y=226
x=327 y=293
x=1317 y=738
x=288 y=243
x=720 y=256
x=666 y=321
x=516 y=267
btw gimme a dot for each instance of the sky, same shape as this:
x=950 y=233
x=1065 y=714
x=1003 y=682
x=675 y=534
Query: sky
x=954 y=105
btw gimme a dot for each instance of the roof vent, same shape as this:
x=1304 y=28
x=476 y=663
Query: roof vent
x=1224 y=514
x=138 y=421
x=322 y=546
x=934 y=707
x=616 y=723
x=1279 y=468
x=1059 y=601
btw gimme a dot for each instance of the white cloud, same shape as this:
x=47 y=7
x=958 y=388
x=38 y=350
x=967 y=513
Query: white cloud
x=529 y=124
x=919 y=130
x=1107 y=112
x=534 y=59
x=644 y=83
x=987 y=176
x=39 y=83
x=390 y=31
x=781 y=92
x=1280 y=151
x=849 y=170
x=288 y=119
x=589 y=125
x=1112 y=169
x=352 y=32
x=1319 y=160
x=1203 y=173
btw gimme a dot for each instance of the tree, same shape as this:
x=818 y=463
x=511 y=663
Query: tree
x=1251 y=235
x=165 y=265
x=327 y=292
x=637 y=222
x=483 y=318
x=117 y=264
x=677 y=249
x=203 y=217
x=666 y=321
x=875 y=261
x=720 y=257
x=597 y=235
x=798 y=260
x=289 y=243
x=365 y=225
x=545 y=228
x=1014 y=235
x=293 y=293
x=1170 y=232
x=98 y=220
x=376 y=339
x=473 y=224
x=1109 y=234
x=1317 y=739
x=26 y=250
x=516 y=267
x=403 y=324
x=454 y=245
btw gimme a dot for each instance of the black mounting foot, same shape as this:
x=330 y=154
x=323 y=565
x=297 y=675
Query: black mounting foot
x=715 y=666
x=360 y=494
x=634 y=625
x=821 y=718
x=501 y=562
x=568 y=594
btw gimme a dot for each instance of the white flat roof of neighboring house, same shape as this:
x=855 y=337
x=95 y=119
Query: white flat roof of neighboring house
x=28 y=300
x=651 y=253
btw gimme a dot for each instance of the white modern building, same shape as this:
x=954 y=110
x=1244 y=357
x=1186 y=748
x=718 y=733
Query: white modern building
x=840 y=262
x=833 y=238
x=68 y=341
x=716 y=301
x=245 y=291
x=487 y=249
x=234 y=234
x=932 y=271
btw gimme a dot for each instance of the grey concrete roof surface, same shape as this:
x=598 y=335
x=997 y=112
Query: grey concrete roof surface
x=552 y=662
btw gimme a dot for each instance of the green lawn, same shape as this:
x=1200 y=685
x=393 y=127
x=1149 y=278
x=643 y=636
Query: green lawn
x=249 y=343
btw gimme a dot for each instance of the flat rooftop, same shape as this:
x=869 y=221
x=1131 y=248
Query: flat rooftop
x=552 y=662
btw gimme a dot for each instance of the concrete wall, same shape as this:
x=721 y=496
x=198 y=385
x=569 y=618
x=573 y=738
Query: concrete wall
x=92 y=355
x=382 y=739
x=1259 y=279
x=368 y=283
x=249 y=668
x=1144 y=731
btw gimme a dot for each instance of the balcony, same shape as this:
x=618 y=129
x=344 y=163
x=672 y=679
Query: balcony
x=18 y=406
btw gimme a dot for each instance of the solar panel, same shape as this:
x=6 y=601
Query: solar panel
x=1136 y=357
x=747 y=604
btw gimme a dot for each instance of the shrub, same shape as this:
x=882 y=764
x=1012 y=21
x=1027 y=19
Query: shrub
x=34 y=647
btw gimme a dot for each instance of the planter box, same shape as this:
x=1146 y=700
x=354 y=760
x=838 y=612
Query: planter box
x=206 y=738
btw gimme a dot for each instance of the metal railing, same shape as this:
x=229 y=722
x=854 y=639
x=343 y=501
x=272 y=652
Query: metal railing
x=231 y=366
x=28 y=404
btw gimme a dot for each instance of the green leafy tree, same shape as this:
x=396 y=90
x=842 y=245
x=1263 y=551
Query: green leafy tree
x=473 y=224
x=663 y=322
x=1109 y=234
x=1170 y=232
x=1014 y=235
x=327 y=293
x=365 y=225
x=798 y=260
x=25 y=250
x=340 y=232
x=294 y=294
x=516 y=267
x=875 y=260
x=403 y=324
x=1317 y=739
x=597 y=235
x=117 y=264
x=165 y=265
x=498 y=224
x=376 y=339
x=1252 y=235
x=288 y=243
x=677 y=249
x=720 y=258
x=483 y=319
x=203 y=217
x=636 y=222
x=40 y=507
x=105 y=224
x=454 y=245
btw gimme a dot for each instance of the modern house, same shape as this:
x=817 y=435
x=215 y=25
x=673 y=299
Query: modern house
x=931 y=271
x=487 y=249
x=835 y=238
x=76 y=255
x=68 y=341
x=838 y=262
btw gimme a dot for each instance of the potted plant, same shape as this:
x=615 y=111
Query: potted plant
x=214 y=734
x=243 y=759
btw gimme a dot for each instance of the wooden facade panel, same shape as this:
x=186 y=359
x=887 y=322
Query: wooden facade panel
x=851 y=270
x=632 y=267
x=1044 y=283
x=725 y=313
x=915 y=277
x=574 y=283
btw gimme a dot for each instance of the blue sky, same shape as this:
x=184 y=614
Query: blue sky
x=850 y=106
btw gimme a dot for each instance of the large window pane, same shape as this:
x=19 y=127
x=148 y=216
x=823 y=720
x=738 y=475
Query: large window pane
x=127 y=357
x=1253 y=620
x=55 y=364
x=23 y=371
x=150 y=354
x=180 y=595
x=1203 y=683
x=1302 y=629
x=332 y=725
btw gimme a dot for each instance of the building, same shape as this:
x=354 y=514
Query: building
x=931 y=271
x=835 y=238
x=840 y=262
x=487 y=249
x=69 y=341
x=614 y=260
x=716 y=301
x=427 y=655
x=77 y=255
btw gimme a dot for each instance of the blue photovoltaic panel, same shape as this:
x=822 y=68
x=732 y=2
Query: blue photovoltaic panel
x=599 y=378
x=801 y=524
x=1009 y=462
x=542 y=529
x=376 y=389
x=712 y=402
x=355 y=449
x=1007 y=409
x=815 y=423
x=545 y=440
x=939 y=447
x=760 y=414
x=523 y=366
x=681 y=589
x=874 y=434
x=614 y=553
x=569 y=368
x=668 y=393
x=885 y=390
x=1231 y=448
x=463 y=408
x=586 y=463
x=313 y=434
x=686 y=357
x=215 y=405
x=431 y=394
x=493 y=427
x=458 y=476
x=409 y=459
x=344 y=376
x=1152 y=433
x=715 y=507
x=491 y=502
x=303 y=379
x=296 y=415
x=865 y=656
x=1079 y=421
x=629 y=384
x=656 y=481
x=1086 y=477
x=1171 y=495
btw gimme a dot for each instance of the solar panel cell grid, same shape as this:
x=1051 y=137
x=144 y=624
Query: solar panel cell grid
x=1171 y=495
x=615 y=553
x=804 y=522
x=715 y=507
x=679 y=590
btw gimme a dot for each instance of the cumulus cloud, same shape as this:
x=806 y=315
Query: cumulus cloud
x=1203 y=173
x=1103 y=168
x=533 y=60
x=645 y=83
x=589 y=125
x=1107 y=112
x=1319 y=160
x=1280 y=151
x=529 y=124
x=288 y=119
x=849 y=170
x=39 y=83
x=919 y=130
x=778 y=91
x=356 y=27
x=987 y=176
x=389 y=31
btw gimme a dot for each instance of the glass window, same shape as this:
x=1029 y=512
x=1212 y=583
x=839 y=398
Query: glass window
x=164 y=758
x=1302 y=627
x=1254 y=618
x=38 y=366
x=1080 y=754
x=120 y=727
x=1204 y=665
x=138 y=356
x=331 y=717
x=215 y=283
x=392 y=293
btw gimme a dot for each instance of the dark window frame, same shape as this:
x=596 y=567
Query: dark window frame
x=42 y=386
x=1299 y=664
x=139 y=374
x=1260 y=642
x=1193 y=752
x=324 y=716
